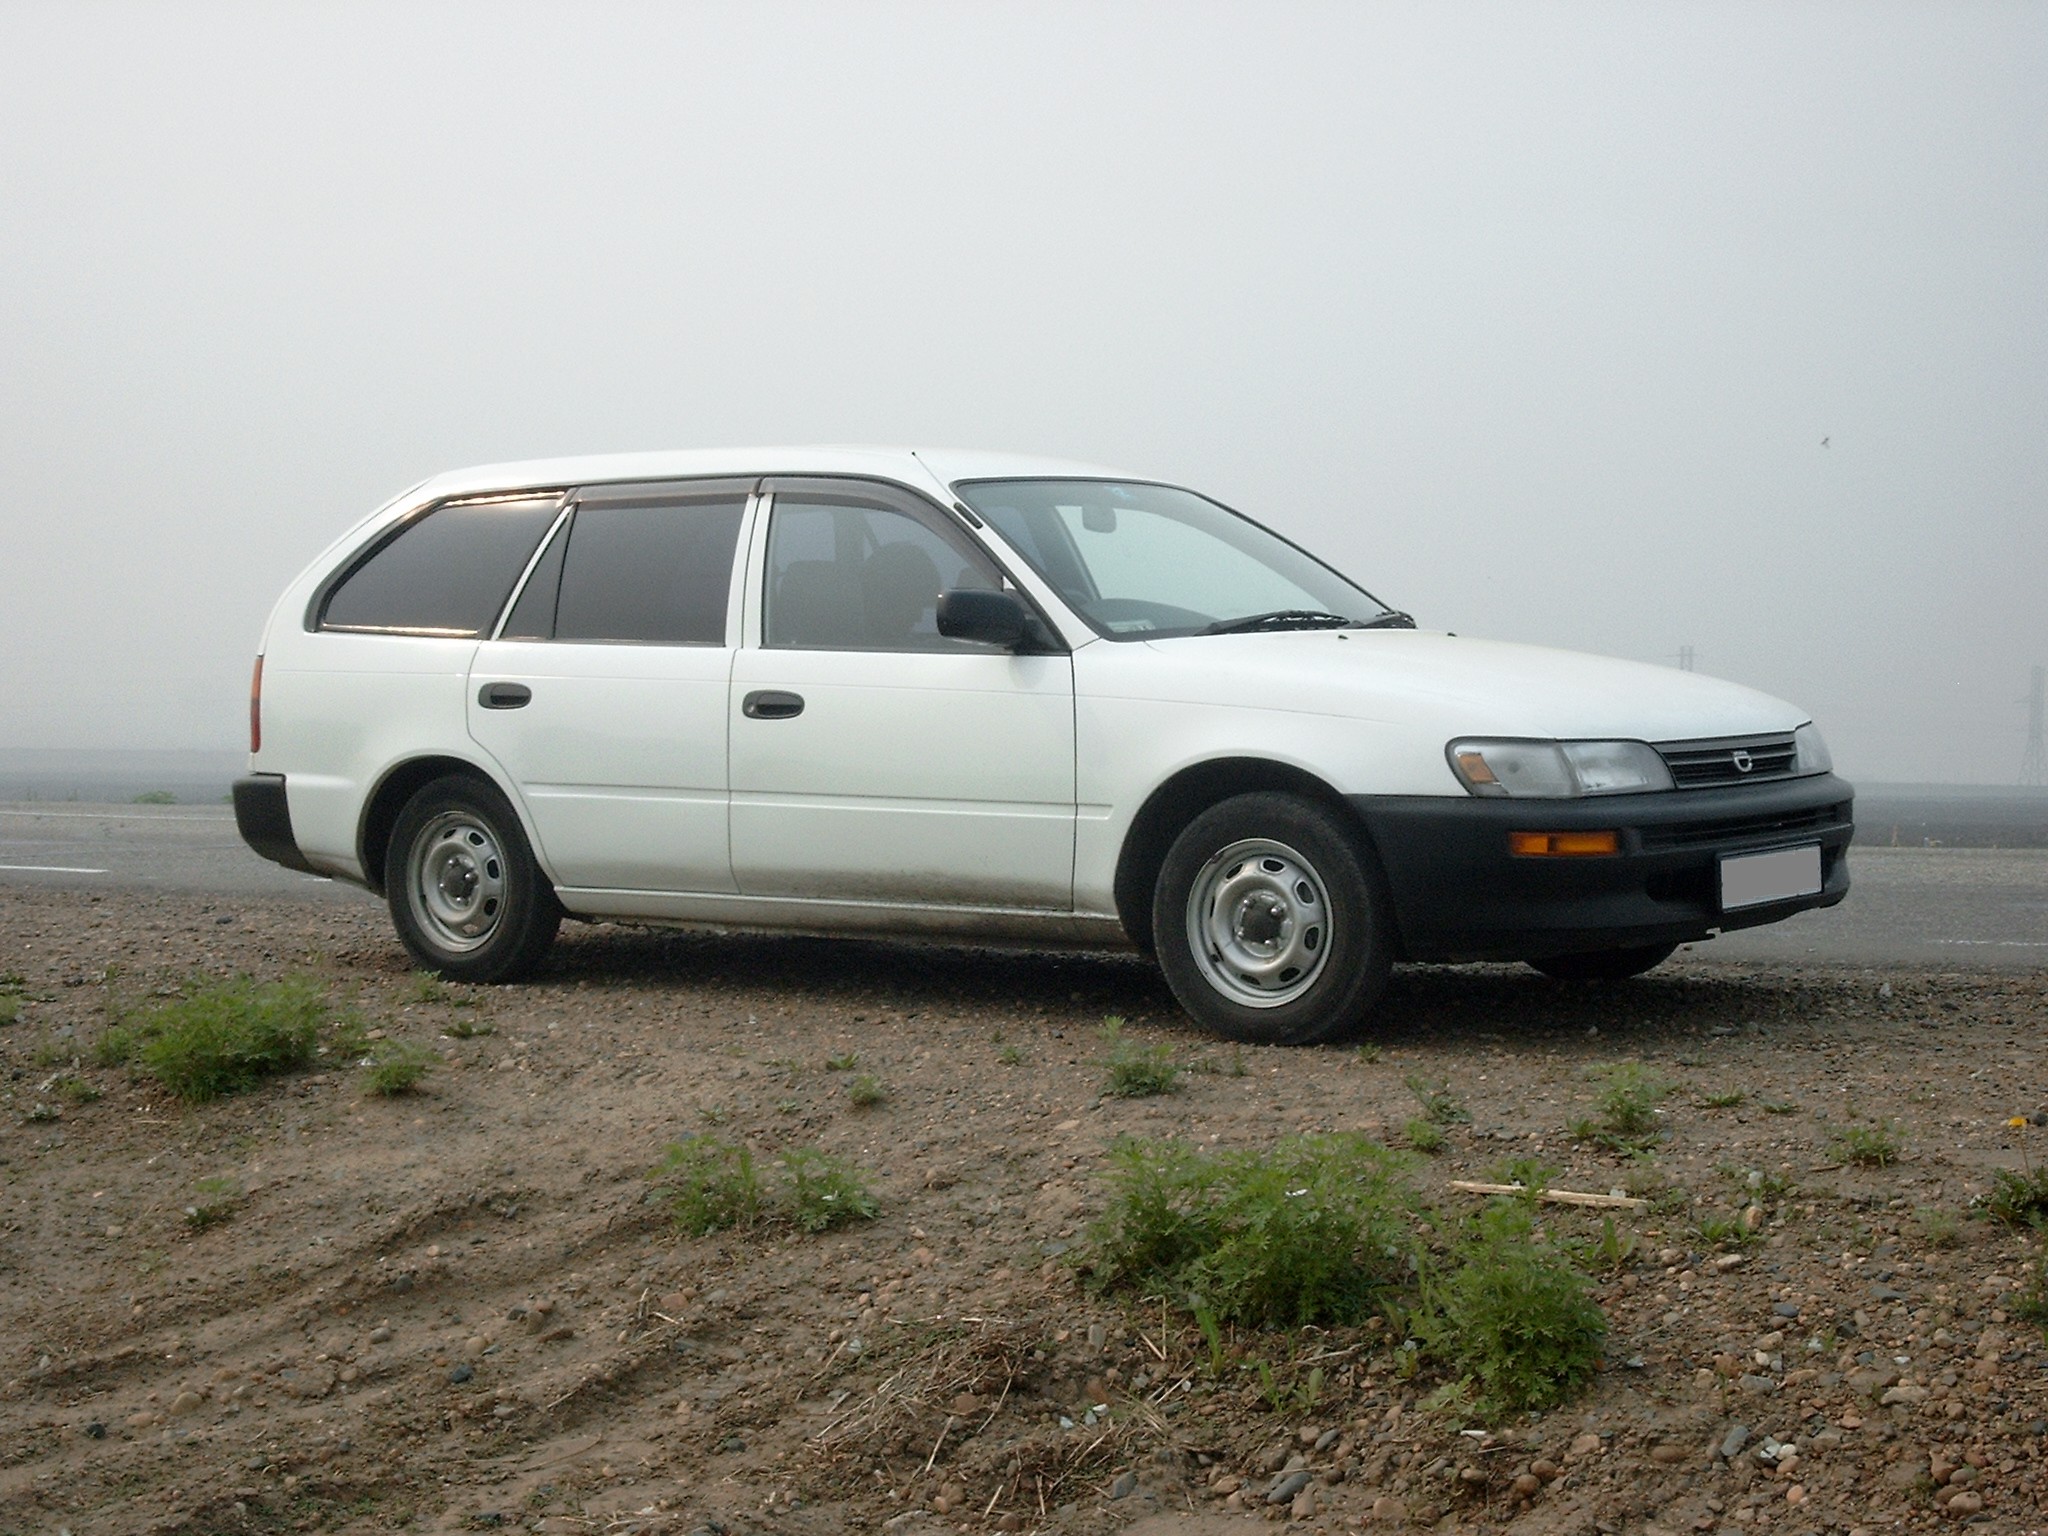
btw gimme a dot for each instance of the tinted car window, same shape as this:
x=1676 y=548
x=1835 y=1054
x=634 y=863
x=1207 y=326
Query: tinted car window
x=446 y=573
x=655 y=572
x=844 y=576
x=533 y=612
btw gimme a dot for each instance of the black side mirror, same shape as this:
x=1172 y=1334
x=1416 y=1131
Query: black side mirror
x=976 y=613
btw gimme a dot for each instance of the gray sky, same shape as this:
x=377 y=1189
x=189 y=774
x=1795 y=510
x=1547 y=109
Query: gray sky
x=1532 y=318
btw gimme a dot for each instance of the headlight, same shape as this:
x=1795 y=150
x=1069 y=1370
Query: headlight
x=1809 y=752
x=1557 y=770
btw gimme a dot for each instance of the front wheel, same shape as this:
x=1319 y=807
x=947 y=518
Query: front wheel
x=1605 y=964
x=466 y=896
x=1270 y=921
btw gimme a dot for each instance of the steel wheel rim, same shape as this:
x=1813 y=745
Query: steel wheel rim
x=1259 y=923
x=457 y=880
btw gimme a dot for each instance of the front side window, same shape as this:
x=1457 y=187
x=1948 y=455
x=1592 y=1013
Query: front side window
x=446 y=573
x=1144 y=561
x=656 y=572
x=850 y=575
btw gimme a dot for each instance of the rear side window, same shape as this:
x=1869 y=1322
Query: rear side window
x=656 y=572
x=445 y=573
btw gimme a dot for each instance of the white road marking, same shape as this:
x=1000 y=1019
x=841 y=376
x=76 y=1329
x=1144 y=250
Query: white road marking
x=111 y=815
x=1999 y=943
x=52 y=869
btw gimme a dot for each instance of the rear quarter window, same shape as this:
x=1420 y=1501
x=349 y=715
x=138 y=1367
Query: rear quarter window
x=447 y=572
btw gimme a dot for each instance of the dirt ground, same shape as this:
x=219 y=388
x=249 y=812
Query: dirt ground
x=307 y=1308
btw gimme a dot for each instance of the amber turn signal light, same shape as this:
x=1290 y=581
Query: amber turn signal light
x=256 y=708
x=1563 y=845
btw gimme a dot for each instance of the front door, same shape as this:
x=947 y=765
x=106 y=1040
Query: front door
x=604 y=694
x=872 y=758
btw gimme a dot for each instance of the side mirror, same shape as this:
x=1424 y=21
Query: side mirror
x=976 y=613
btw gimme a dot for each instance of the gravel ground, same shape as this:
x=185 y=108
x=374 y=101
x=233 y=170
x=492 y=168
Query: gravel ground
x=308 y=1308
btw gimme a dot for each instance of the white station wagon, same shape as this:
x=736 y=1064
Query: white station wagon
x=989 y=697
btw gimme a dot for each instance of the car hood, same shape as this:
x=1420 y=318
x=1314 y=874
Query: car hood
x=1457 y=685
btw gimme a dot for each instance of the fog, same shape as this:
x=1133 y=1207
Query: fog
x=1616 y=327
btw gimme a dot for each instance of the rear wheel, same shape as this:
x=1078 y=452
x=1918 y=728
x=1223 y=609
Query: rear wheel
x=466 y=896
x=1269 y=922
x=1605 y=964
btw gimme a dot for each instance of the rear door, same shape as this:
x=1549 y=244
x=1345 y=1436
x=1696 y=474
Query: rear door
x=604 y=693
x=872 y=758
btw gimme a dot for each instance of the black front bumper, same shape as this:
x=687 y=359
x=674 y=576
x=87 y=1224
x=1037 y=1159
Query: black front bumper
x=1460 y=895
x=264 y=819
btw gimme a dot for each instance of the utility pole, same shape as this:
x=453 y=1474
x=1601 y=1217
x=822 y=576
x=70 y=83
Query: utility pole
x=1685 y=658
x=2034 y=766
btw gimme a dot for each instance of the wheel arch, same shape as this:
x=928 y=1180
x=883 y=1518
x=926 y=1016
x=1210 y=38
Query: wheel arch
x=400 y=783
x=1181 y=798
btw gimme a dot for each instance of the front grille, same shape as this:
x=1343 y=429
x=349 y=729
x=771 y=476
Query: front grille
x=1728 y=760
x=1692 y=834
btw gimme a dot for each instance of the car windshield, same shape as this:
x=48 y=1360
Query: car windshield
x=1141 y=562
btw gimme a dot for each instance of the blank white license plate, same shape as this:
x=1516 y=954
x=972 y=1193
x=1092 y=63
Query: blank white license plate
x=1751 y=879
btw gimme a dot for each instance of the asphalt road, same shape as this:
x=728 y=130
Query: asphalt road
x=1965 y=908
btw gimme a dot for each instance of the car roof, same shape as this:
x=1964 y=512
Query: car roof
x=926 y=469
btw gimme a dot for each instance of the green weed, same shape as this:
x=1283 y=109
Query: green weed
x=467 y=1029
x=1726 y=1098
x=1513 y=1315
x=1313 y=1231
x=1424 y=1137
x=1438 y=1107
x=845 y=1062
x=397 y=1068
x=155 y=797
x=226 y=1036
x=710 y=1184
x=10 y=1008
x=1780 y=1107
x=1009 y=1056
x=428 y=987
x=1627 y=1104
x=1135 y=1071
x=1939 y=1228
x=75 y=1090
x=2019 y=1199
x=824 y=1192
x=1613 y=1250
x=1366 y=1054
x=218 y=1200
x=1869 y=1146
x=866 y=1091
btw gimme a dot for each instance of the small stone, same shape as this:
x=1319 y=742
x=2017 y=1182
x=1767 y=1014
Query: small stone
x=1587 y=1444
x=141 y=1420
x=1732 y=1443
x=1903 y=1393
x=1964 y=1503
x=1389 y=1511
x=1527 y=1485
x=1757 y=1386
x=1667 y=1455
x=1328 y=1438
x=381 y=1334
x=966 y=1403
x=184 y=1403
x=1304 y=1505
x=460 y=1374
x=1795 y=1495
x=96 y=1430
x=1226 y=1485
x=1727 y=1261
x=1785 y=1308
x=1125 y=1485
x=1284 y=1489
x=1545 y=1468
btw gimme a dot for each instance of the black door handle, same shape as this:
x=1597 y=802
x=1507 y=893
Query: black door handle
x=504 y=695
x=771 y=704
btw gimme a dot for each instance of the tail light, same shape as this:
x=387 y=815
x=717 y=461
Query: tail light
x=256 y=708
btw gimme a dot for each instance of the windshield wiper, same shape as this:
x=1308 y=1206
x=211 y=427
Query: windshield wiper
x=1281 y=618
x=1393 y=618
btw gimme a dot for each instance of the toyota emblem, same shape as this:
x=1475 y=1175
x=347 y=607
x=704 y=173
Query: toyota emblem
x=1742 y=760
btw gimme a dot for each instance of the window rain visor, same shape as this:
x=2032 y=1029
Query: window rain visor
x=1141 y=562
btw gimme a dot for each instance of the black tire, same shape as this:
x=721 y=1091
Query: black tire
x=1271 y=922
x=466 y=895
x=1605 y=964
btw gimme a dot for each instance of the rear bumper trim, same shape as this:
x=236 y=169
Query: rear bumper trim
x=264 y=818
